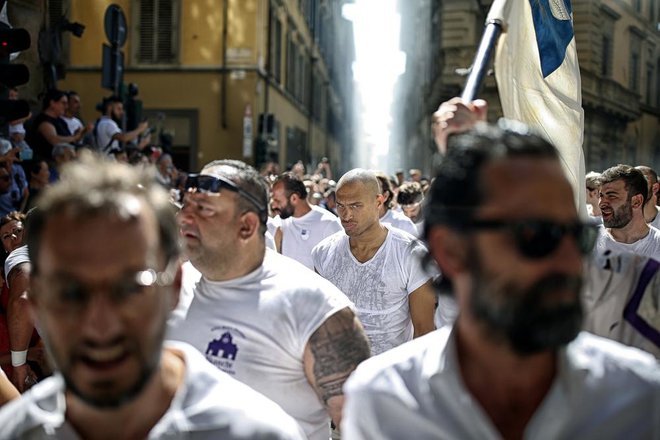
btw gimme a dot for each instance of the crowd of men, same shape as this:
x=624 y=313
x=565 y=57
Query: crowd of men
x=244 y=305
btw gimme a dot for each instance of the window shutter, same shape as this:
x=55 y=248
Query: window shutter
x=158 y=30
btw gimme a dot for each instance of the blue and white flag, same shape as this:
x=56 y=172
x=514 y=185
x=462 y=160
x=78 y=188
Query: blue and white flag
x=538 y=78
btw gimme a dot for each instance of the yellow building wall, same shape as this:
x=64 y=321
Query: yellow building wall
x=201 y=33
x=185 y=86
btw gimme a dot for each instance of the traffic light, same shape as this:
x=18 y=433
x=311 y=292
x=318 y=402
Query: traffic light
x=12 y=75
x=13 y=40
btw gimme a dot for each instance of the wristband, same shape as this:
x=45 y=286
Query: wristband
x=18 y=358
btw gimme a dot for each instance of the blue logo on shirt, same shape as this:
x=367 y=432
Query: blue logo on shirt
x=224 y=347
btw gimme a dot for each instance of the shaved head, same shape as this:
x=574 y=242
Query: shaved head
x=359 y=175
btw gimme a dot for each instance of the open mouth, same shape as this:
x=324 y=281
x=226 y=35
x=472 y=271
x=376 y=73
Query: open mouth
x=104 y=359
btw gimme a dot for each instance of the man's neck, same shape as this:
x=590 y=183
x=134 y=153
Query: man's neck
x=367 y=244
x=635 y=230
x=508 y=386
x=135 y=419
x=301 y=209
x=650 y=211
x=244 y=261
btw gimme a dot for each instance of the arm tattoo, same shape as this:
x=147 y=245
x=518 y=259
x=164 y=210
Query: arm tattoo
x=338 y=346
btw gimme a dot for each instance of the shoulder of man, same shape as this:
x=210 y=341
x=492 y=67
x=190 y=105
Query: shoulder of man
x=612 y=364
x=36 y=411
x=214 y=401
x=403 y=366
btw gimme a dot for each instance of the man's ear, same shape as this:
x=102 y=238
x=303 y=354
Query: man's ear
x=637 y=201
x=249 y=224
x=449 y=249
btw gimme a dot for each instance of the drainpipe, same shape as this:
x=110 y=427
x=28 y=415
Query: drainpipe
x=223 y=83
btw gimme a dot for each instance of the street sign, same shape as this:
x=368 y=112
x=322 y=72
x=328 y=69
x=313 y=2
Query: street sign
x=113 y=68
x=114 y=23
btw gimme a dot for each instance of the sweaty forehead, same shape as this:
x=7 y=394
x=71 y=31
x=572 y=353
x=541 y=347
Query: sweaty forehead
x=221 y=171
x=527 y=188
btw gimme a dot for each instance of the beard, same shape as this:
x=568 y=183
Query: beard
x=620 y=217
x=528 y=319
x=286 y=211
x=108 y=397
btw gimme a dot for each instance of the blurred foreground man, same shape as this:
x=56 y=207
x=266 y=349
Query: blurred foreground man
x=105 y=275
x=514 y=364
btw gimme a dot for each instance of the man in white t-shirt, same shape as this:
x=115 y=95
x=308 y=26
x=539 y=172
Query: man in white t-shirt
x=71 y=112
x=651 y=208
x=376 y=266
x=303 y=225
x=622 y=197
x=388 y=216
x=109 y=135
x=105 y=276
x=257 y=315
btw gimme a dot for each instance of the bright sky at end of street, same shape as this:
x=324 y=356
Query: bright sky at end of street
x=379 y=62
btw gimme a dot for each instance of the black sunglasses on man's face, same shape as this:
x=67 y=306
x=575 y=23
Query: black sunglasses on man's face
x=536 y=239
x=210 y=184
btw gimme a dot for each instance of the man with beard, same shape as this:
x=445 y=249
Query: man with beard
x=107 y=132
x=303 y=225
x=105 y=275
x=623 y=193
x=514 y=364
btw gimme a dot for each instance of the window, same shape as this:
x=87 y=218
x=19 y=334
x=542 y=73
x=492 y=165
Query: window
x=649 y=84
x=635 y=65
x=634 y=72
x=606 y=58
x=657 y=84
x=157 y=31
x=275 y=46
x=291 y=50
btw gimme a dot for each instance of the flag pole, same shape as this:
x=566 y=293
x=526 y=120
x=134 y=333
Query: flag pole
x=495 y=24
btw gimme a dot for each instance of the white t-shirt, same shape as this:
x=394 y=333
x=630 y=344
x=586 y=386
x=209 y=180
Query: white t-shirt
x=300 y=235
x=656 y=221
x=379 y=288
x=73 y=123
x=105 y=130
x=208 y=405
x=15 y=257
x=648 y=246
x=399 y=220
x=602 y=390
x=256 y=328
x=621 y=298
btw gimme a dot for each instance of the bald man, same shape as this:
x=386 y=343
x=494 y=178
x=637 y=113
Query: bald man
x=376 y=266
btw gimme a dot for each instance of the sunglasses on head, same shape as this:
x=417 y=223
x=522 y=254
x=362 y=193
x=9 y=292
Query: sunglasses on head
x=210 y=184
x=536 y=239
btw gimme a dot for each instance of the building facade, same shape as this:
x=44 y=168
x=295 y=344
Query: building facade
x=618 y=43
x=253 y=80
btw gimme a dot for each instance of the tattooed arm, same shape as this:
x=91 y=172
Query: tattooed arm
x=332 y=353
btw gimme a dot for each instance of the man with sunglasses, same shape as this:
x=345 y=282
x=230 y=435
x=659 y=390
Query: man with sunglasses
x=105 y=275
x=623 y=194
x=514 y=364
x=255 y=314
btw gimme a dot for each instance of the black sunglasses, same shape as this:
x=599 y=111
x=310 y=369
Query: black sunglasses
x=536 y=239
x=211 y=184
